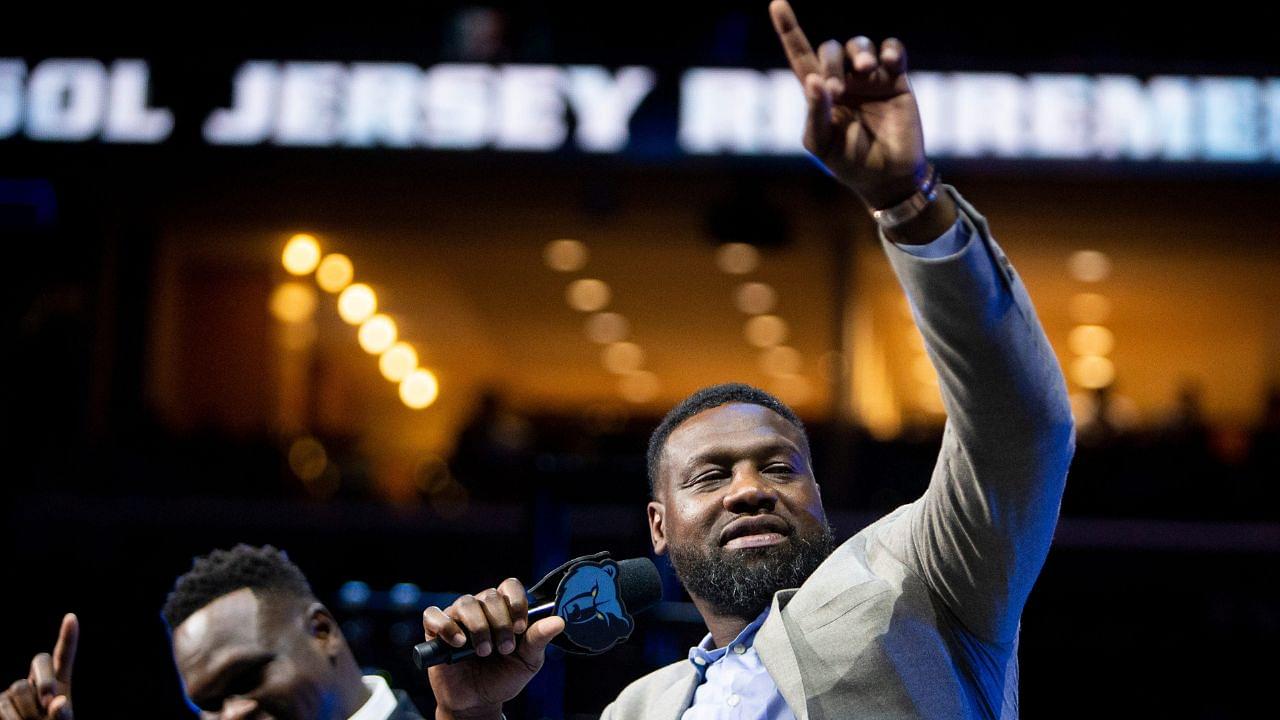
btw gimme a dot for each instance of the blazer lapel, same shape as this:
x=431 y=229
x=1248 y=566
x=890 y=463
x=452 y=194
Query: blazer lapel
x=774 y=649
x=675 y=699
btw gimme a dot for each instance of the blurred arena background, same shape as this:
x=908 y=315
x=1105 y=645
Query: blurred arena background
x=403 y=291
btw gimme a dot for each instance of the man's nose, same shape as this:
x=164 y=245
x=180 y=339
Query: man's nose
x=749 y=492
x=238 y=708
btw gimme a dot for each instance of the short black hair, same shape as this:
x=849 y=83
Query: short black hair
x=705 y=399
x=263 y=569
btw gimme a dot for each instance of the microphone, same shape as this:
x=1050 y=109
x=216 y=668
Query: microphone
x=595 y=595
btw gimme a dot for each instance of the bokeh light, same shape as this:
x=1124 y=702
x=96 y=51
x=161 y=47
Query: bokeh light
x=622 y=357
x=398 y=361
x=606 y=327
x=764 y=331
x=565 y=255
x=335 y=272
x=1089 y=266
x=307 y=458
x=419 y=389
x=588 y=295
x=1091 y=340
x=1092 y=372
x=357 y=303
x=377 y=334
x=301 y=254
x=754 y=298
x=737 y=258
x=292 y=302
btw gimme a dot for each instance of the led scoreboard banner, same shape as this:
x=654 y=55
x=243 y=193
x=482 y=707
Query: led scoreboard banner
x=587 y=108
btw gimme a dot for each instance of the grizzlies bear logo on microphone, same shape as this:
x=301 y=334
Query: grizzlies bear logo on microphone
x=590 y=601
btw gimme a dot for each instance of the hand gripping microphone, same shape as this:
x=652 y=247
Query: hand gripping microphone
x=595 y=595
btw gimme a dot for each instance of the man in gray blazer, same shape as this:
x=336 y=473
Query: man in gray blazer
x=918 y=614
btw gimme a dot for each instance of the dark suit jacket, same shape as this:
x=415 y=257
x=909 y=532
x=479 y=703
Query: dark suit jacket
x=405 y=709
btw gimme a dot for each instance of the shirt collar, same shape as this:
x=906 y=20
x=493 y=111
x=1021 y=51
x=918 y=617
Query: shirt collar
x=705 y=654
x=381 y=703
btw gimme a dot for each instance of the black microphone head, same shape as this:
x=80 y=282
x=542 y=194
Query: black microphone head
x=640 y=583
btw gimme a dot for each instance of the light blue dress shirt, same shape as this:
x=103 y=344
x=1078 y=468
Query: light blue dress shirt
x=735 y=685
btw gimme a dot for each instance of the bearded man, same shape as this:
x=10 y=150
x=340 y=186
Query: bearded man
x=916 y=615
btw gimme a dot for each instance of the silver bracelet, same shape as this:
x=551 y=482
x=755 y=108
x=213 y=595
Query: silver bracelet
x=892 y=217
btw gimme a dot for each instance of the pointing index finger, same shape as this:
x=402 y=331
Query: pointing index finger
x=799 y=53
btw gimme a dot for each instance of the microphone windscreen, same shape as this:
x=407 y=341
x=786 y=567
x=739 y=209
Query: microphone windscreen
x=640 y=583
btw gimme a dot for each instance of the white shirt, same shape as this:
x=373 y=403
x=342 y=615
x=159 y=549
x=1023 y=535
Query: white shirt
x=381 y=702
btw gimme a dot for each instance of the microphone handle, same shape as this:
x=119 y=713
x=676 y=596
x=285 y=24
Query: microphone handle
x=439 y=652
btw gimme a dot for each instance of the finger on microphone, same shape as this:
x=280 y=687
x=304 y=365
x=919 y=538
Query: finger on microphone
x=498 y=617
x=435 y=624
x=513 y=590
x=470 y=613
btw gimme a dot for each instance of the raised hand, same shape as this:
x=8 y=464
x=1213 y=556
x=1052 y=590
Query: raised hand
x=509 y=651
x=45 y=694
x=863 y=123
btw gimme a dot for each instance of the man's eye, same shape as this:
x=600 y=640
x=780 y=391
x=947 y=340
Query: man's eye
x=779 y=469
x=708 y=477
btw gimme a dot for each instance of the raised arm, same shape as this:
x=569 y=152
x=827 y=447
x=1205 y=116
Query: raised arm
x=980 y=533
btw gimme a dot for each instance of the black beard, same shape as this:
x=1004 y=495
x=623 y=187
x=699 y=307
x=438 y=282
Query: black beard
x=741 y=583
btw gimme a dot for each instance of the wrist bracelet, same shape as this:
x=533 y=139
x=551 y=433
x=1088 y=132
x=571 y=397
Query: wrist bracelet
x=926 y=193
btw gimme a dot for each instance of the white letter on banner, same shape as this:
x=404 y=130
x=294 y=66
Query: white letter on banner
x=1123 y=122
x=12 y=73
x=603 y=105
x=531 y=107
x=1059 y=115
x=989 y=114
x=1231 y=111
x=251 y=115
x=380 y=104
x=128 y=117
x=720 y=110
x=784 y=119
x=933 y=98
x=67 y=100
x=455 y=103
x=1173 y=107
x=1272 y=95
x=311 y=98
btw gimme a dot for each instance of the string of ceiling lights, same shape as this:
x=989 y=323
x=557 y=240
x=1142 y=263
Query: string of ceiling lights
x=764 y=330
x=607 y=328
x=357 y=305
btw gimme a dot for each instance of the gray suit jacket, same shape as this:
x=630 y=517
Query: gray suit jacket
x=917 y=616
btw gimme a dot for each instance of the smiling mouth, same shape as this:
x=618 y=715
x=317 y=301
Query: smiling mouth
x=764 y=539
x=754 y=531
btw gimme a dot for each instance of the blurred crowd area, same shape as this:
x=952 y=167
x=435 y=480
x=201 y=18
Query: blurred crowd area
x=1182 y=468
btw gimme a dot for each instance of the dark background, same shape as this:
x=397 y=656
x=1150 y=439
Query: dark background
x=1156 y=599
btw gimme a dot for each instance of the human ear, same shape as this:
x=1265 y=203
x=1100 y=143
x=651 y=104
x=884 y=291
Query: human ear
x=657 y=527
